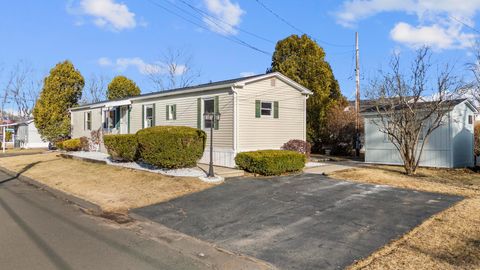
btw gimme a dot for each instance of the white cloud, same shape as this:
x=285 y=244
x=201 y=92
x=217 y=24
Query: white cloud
x=247 y=73
x=438 y=20
x=122 y=64
x=104 y=61
x=434 y=36
x=229 y=16
x=109 y=14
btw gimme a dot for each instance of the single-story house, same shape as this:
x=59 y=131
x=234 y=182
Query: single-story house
x=449 y=146
x=27 y=136
x=257 y=112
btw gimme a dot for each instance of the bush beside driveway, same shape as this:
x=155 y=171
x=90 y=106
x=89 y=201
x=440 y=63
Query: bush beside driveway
x=114 y=189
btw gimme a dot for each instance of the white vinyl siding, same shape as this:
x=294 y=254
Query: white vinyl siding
x=78 y=122
x=267 y=131
x=186 y=114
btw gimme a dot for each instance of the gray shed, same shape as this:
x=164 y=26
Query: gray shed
x=27 y=136
x=449 y=146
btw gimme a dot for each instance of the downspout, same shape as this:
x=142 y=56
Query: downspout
x=235 y=120
x=305 y=118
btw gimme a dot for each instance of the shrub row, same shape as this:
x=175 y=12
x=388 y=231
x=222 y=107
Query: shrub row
x=70 y=145
x=171 y=146
x=122 y=147
x=168 y=147
x=271 y=162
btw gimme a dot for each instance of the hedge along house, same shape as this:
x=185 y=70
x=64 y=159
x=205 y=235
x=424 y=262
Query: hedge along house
x=257 y=112
x=449 y=146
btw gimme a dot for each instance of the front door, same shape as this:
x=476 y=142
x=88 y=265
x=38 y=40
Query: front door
x=124 y=120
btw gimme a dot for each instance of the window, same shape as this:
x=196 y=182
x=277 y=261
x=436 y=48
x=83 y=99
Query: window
x=148 y=116
x=88 y=121
x=266 y=108
x=470 y=119
x=109 y=118
x=208 y=107
x=171 y=112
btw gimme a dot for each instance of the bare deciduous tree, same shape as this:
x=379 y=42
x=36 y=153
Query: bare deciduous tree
x=475 y=69
x=24 y=88
x=96 y=89
x=175 y=69
x=401 y=110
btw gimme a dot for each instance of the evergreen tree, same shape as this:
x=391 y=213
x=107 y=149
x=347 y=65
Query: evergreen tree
x=62 y=89
x=303 y=60
x=121 y=87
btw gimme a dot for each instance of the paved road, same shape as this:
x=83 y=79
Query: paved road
x=299 y=222
x=38 y=231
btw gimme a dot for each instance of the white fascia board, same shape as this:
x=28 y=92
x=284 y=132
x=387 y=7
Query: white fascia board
x=280 y=76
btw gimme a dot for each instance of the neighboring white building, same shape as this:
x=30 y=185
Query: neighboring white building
x=257 y=112
x=449 y=146
x=27 y=136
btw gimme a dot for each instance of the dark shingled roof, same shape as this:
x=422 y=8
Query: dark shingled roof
x=210 y=84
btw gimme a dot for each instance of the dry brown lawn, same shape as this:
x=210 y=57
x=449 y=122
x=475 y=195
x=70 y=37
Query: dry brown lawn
x=448 y=240
x=115 y=189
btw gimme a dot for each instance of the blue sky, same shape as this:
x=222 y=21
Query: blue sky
x=110 y=37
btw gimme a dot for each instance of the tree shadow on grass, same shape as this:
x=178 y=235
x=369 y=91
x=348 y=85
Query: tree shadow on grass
x=23 y=170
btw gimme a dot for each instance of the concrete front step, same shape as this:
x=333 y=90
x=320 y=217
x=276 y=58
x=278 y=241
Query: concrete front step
x=223 y=171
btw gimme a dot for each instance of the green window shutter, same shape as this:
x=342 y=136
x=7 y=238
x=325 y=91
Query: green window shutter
x=215 y=111
x=153 y=116
x=166 y=112
x=117 y=117
x=174 y=111
x=143 y=116
x=257 y=108
x=199 y=113
x=275 y=109
x=84 y=120
x=128 y=119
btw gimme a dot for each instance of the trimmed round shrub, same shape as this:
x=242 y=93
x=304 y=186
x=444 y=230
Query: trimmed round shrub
x=298 y=146
x=271 y=162
x=171 y=147
x=71 y=145
x=122 y=147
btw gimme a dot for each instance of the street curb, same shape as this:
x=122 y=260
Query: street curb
x=95 y=209
x=91 y=160
x=220 y=258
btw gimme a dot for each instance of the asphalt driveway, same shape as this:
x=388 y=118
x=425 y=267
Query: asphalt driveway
x=299 y=222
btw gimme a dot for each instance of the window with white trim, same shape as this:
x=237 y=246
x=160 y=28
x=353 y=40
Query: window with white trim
x=148 y=116
x=266 y=108
x=171 y=112
x=88 y=121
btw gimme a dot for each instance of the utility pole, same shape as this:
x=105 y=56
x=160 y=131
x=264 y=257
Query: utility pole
x=357 y=99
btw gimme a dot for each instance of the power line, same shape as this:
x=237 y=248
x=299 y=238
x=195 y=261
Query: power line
x=465 y=24
x=236 y=40
x=293 y=26
x=203 y=13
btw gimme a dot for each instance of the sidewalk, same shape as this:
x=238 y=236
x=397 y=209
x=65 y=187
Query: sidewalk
x=334 y=166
